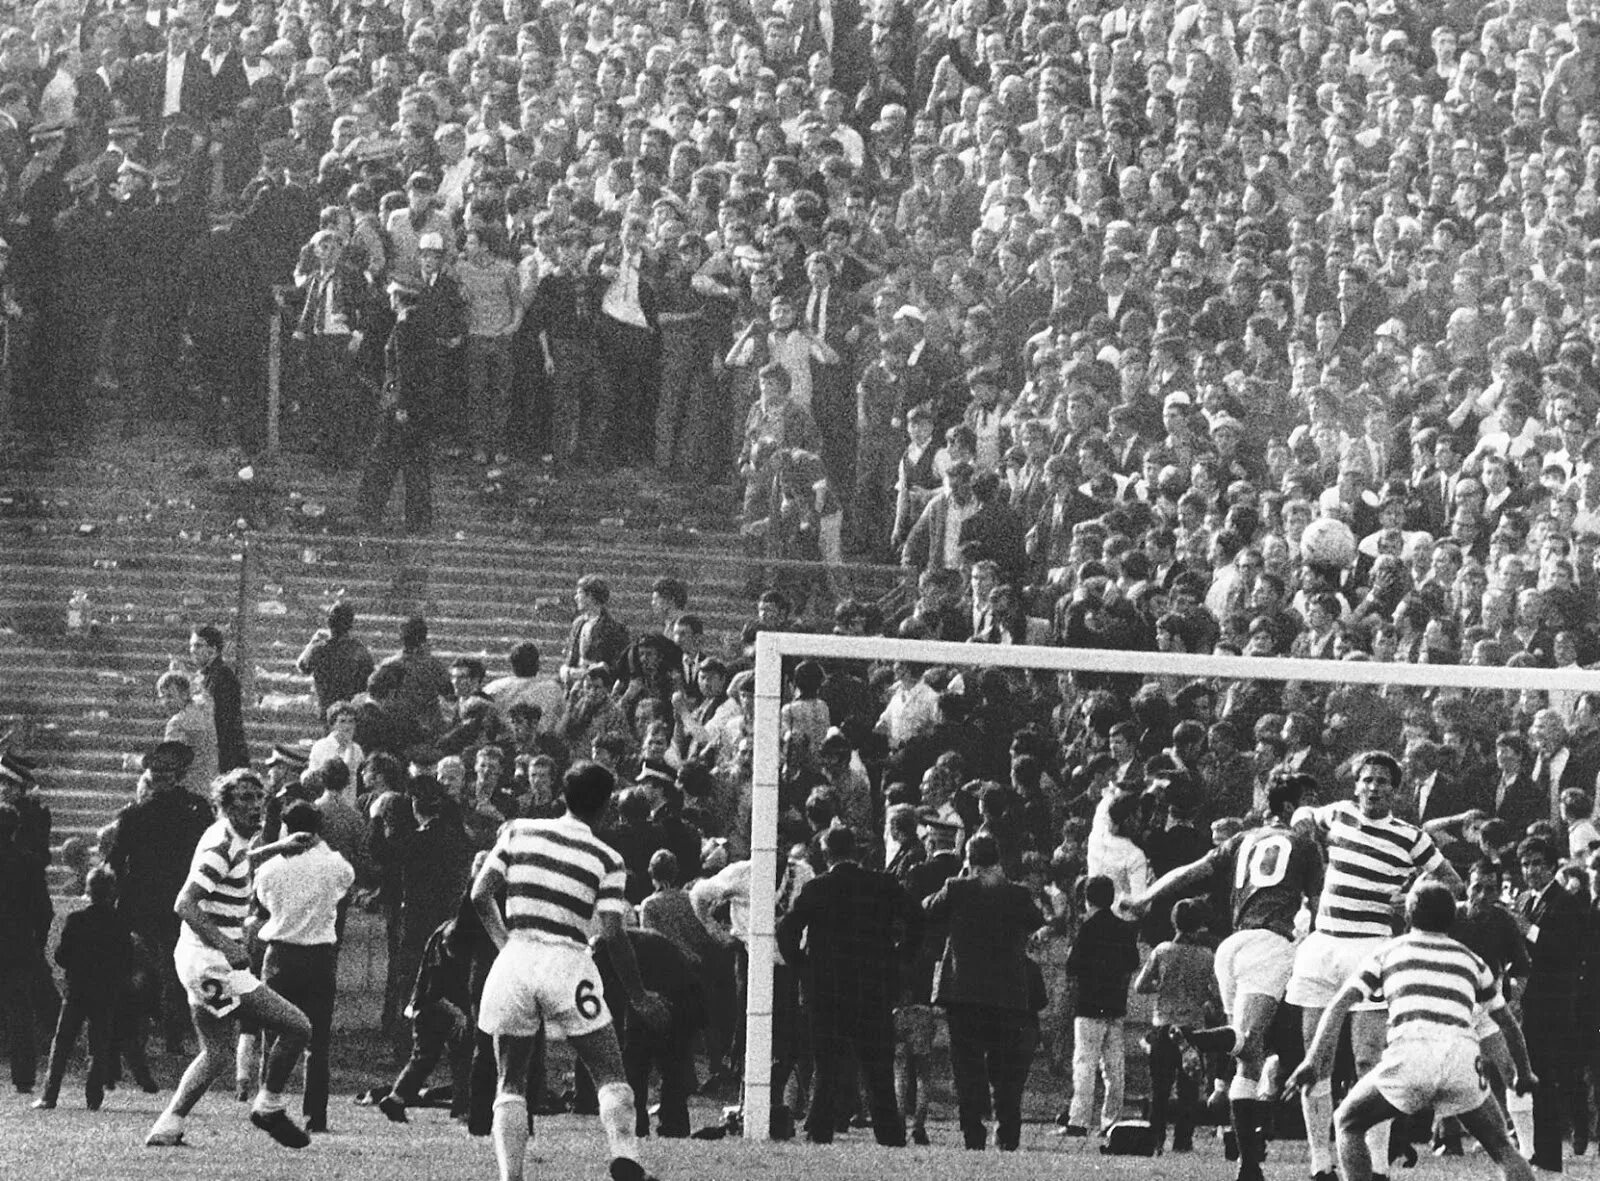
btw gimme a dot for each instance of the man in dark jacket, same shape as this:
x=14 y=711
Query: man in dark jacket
x=222 y=686
x=982 y=984
x=96 y=954
x=596 y=636
x=337 y=662
x=664 y=969
x=1103 y=958
x=25 y=916
x=423 y=680
x=1558 y=940
x=152 y=841
x=849 y=931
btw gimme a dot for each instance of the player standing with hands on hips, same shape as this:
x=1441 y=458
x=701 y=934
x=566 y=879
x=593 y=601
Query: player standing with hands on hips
x=1434 y=987
x=558 y=878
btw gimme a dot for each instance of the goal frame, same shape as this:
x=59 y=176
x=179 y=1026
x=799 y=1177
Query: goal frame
x=772 y=647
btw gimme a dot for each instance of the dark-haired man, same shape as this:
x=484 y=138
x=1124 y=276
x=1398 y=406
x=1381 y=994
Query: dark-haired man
x=1558 y=941
x=299 y=894
x=337 y=663
x=982 y=984
x=1433 y=988
x=858 y=927
x=596 y=637
x=222 y=687
x=1372 y=855
x=559 y=879
x=1273 y=869
x=423 y=678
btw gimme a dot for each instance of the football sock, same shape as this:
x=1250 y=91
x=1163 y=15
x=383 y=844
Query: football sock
x=247 y=1064
x=616 y=1117
x=1377 y=1139
x=1317 y=1106
x=510 y=1134
x=1520 y=1109
x=1220 y=1039
x=267 y=1102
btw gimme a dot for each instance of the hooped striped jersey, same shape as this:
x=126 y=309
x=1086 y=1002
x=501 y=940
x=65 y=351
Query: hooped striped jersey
x=559 y=878
x=1431 y=983
x=1370 y=863
x=221 y=869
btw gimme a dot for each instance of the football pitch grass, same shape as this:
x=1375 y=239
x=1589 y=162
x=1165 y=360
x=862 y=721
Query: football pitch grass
x=71 y=1144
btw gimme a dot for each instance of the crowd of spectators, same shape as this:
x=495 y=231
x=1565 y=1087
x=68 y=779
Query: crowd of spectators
x=1212 y=327
x=1071 y=778
x=1332 y=253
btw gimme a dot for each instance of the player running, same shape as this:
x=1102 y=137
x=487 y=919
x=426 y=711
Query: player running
x=1434 y=987
x=559 y=878
x=1373 y=855
x=212 y=961
x=1274 y=869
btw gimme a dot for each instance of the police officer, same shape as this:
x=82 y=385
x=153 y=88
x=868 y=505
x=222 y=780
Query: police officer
x=151 y=843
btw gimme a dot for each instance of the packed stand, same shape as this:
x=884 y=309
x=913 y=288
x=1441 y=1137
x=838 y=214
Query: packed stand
x=1256 y=330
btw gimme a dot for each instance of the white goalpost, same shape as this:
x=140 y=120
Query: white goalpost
x=773 y=646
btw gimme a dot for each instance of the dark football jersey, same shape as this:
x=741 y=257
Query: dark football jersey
x=1274 y=869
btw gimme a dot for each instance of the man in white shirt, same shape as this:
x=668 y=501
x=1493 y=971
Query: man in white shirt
x=300 y=894
x=628 y=347
x=451 y=140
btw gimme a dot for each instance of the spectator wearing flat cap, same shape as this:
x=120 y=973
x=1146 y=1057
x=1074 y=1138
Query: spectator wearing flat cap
x=149 y=847
x=421 y=218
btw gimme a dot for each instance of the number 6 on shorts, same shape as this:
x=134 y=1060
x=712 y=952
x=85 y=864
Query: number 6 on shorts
x=587 y=1001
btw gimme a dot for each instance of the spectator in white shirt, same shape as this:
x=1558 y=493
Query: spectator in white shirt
x=299 y=892
x=340 y=741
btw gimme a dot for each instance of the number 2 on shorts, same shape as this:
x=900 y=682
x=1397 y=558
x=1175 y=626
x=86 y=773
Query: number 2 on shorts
x=212 y=991
x=587 y=1000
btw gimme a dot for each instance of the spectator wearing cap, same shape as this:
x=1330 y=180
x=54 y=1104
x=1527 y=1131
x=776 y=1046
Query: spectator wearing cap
x=421 y=218
x=929 y=368
x=426 y=322
x=149 y=847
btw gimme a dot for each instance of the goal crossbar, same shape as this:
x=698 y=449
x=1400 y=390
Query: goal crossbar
x=773 y=646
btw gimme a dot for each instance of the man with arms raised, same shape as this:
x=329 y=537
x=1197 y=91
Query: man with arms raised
x=1373 y=855
x=558 y=878
x=1273 y=868
x=1434 y=988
